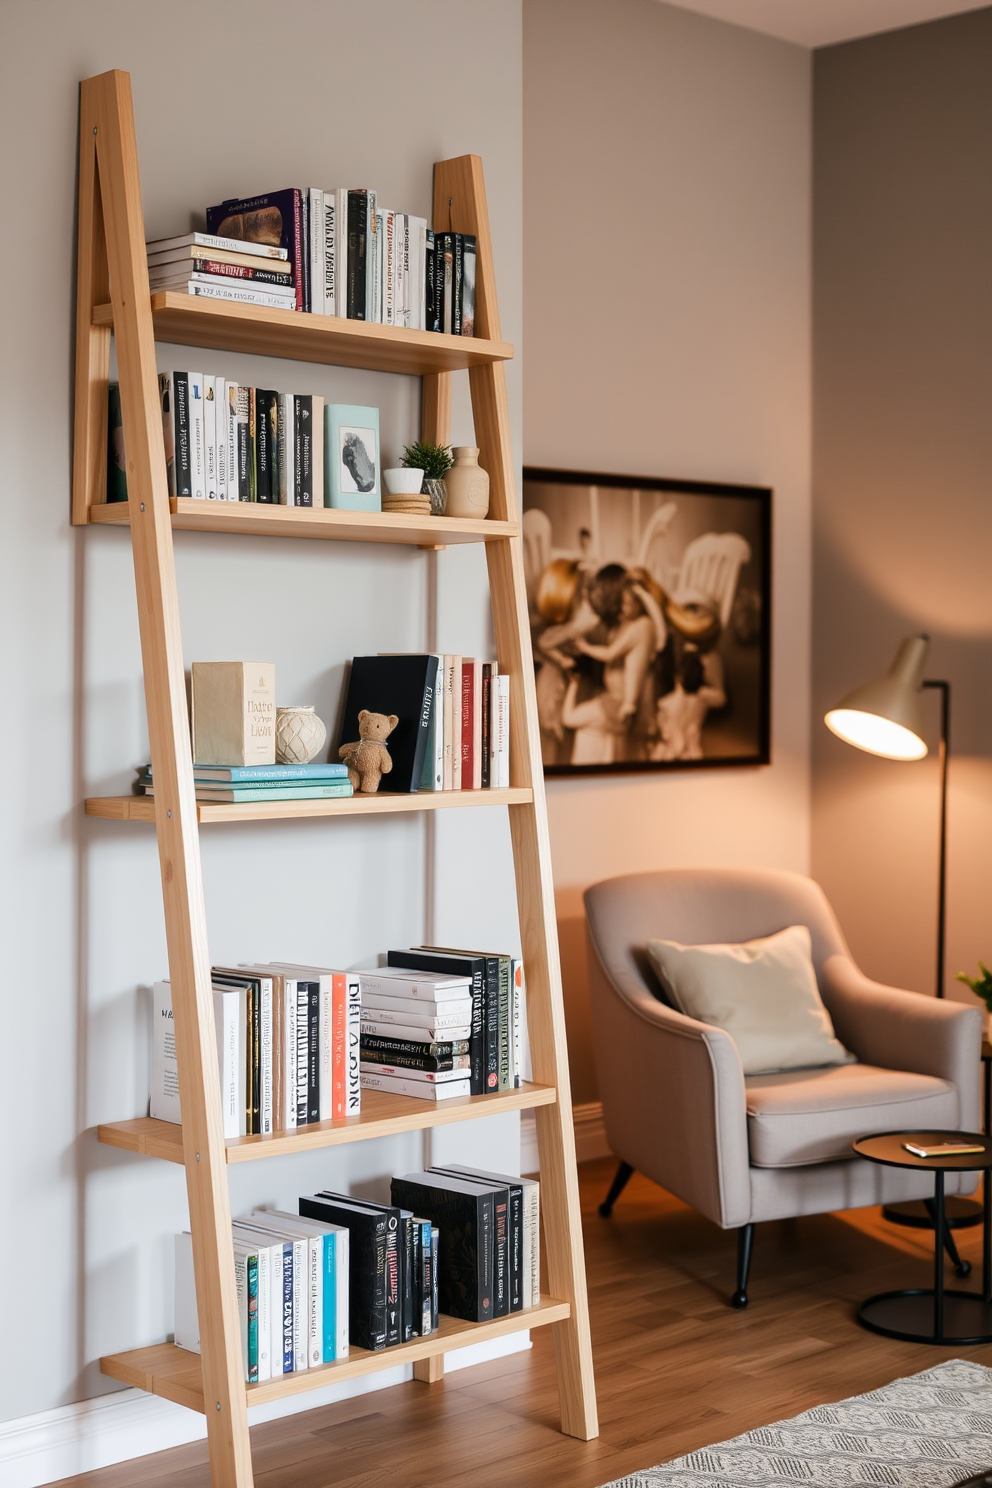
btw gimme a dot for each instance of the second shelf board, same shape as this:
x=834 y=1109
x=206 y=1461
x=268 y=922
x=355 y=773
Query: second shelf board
x=382 y=1115
x=175 y=1374
x=257 y=519
x=142 y=808
x=195 y=320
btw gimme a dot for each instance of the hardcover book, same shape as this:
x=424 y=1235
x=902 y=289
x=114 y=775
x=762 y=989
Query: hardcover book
x=473 y=967
x=274 y=220
x=464 y=1213
x=234 y=712
x=367 y=1272
x=400 y=684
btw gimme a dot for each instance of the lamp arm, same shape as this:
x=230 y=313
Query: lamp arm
x=944 y=689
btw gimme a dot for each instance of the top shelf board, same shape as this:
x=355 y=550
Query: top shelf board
x=192 y=320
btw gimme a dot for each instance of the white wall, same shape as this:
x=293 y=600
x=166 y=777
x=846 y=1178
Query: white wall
x=667 y=302
x=227 y=101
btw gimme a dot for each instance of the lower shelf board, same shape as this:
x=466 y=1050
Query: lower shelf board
x=174 y=1373
x=382 y=1115
x=142 y=808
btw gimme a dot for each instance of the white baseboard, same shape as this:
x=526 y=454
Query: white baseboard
x=590 y=1132
x=92 y=1434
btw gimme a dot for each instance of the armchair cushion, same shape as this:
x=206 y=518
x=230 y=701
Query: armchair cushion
x=813 y=1115
x=763 y=993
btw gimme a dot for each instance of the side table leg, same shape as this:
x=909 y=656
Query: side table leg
x=987 y=1235
x=938 y=1257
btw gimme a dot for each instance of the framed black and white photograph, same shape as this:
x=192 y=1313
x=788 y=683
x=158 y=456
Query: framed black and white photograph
x=352 y=456
x=650 y=618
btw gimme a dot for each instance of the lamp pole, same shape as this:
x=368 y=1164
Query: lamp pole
x=944 y=688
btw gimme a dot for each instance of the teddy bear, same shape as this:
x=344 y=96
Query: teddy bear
x=368 y=760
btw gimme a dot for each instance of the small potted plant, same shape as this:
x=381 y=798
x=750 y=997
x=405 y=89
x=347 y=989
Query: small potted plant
x=435 y=461
x=982 y=987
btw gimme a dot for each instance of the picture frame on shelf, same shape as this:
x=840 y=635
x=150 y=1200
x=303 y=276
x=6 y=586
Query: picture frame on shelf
x=650 y=613
x=352 y=468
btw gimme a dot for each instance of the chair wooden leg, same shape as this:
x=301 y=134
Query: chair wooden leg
x=745 y=1242
x=620 y=1180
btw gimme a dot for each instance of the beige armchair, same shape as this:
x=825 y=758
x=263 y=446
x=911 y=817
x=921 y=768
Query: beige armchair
x=742 y=1149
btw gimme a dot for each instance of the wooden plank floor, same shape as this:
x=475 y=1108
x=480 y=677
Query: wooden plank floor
x=676 y=1368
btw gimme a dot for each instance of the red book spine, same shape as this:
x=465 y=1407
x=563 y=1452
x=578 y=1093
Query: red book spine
x=339 y=1045
x=468 y=723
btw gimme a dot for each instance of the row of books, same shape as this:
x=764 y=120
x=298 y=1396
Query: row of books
x=287 y=1047
x=350 y=258
x=453 y=712
x=229 y=784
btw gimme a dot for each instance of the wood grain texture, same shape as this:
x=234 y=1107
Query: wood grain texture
x=252 y=519
x=429 y=1371
x=105 y=106
x=382 y=1115
x=172 y=1372
x=460 y=205
x=193 y=320
x=89 y=440
x=435 y=409
x=142 y=808
x=678 y=1369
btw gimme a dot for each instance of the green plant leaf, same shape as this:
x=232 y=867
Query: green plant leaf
x=433 y=459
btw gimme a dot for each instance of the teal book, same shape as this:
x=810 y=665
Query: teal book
x=351 y=458
x=261 y=792
x=269 y=774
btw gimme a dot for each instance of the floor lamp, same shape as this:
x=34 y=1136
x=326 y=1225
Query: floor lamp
x=887 y=718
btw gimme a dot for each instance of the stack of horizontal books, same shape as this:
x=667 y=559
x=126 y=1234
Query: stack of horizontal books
x=221 y=269
x=416 y=1028
x=238 y=783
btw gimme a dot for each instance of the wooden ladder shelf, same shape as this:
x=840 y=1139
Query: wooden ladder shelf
x=114 y=299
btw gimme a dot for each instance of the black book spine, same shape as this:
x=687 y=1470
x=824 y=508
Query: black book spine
x=456 y=286
x=367 y=1266
x=430 y=302
x=302 y=1052
x=358 y=216
x=424 y=729
x=304 y=450
x=394 y=1299
x=516 y=1247
x=435 y=1277
x=313 y=1051
x=266 y=405
x=180 y=389
x=409 y=1275
x=501 y=1256
x=387 y=1049
x=466 y=1224
x=505 y=1031
x=475 y=967
x=492 y=1025
x=487 y=694
x=428 y=1062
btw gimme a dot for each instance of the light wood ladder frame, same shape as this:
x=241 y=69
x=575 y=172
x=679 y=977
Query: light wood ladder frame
x=112 y=265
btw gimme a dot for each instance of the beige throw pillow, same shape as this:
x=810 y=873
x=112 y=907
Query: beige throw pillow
x=763 y=993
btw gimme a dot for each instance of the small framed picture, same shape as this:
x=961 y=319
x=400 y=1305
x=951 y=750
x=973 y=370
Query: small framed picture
x=351 y=457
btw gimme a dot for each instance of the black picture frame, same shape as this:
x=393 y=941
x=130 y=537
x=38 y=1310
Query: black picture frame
x=693 y=589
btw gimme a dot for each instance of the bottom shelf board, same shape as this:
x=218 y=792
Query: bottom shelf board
x=382 y=1115
x=174 y=1373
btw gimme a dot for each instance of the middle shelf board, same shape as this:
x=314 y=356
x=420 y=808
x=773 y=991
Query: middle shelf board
x=382 y=1115
x=142 y=808
x=194 y=320
x=258 y=519
x=175 y=1374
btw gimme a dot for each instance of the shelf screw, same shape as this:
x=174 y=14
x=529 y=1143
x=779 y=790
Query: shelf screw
x=94 y=129
x=198 y=1157
x=142 y=506
x=218 y=1405
x=168 y=813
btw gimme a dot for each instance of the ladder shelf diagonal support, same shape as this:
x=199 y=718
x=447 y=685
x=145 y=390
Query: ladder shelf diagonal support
x=109 y=156
x=112 y=269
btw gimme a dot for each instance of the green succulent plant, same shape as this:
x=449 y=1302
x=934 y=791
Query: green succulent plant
x=981 y=986
x=433 y=459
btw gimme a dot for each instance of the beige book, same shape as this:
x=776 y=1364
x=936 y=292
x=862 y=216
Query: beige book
x=234 y=712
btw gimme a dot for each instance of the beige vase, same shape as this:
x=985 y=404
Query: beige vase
x=300 y=735
x=468 y=485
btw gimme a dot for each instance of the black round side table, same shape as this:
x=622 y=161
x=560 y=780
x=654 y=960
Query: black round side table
x=937 y=1314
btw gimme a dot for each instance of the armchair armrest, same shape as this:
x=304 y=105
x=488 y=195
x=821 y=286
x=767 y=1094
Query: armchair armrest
x=902 y=1030
x=673 y=1096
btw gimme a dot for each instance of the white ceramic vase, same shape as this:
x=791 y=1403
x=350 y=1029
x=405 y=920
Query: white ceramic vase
x=467 y=484
x=300 y=735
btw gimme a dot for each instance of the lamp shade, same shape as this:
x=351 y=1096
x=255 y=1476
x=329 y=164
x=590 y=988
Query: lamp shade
x=886 y=717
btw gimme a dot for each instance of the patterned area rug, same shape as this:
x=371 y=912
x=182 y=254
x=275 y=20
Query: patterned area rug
x=927 y=1431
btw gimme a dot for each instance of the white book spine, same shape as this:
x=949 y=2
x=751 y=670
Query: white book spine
x=197 y=436
x=434 y=1025
x=265 y=1272
x=285 y=294
x=517 y=990
x=316 y=249
x=325 y=1046
x=405 y=270
x=286 y=414
x=315 y=1300
x=229 y=1045
x=426 y=1077
x=341 y=258
x=377 y=984
x=265 y=1058
x=241 y=1287
x=301 y=1303
x=400 y=1085
x=342 y=1264
x=353 y=1007
x=164 y=1103
x=378 y=265
x=222 y=291
x=532 y=1239
x=449 y=719
x=372 y=255
x=220 y=414
x=371 y=1026
x=389 y=268
x=503 y=730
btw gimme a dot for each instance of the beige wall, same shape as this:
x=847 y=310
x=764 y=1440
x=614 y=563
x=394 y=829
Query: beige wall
x=903 y=474
x=666 y=298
